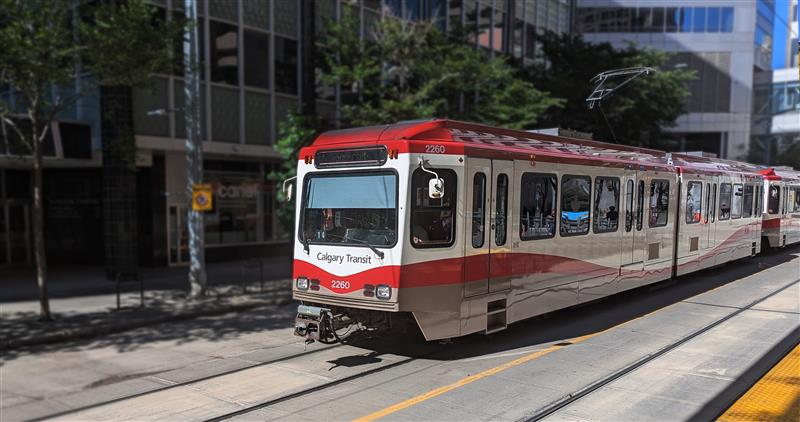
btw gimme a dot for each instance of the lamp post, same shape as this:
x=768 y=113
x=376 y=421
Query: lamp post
x=194 y=152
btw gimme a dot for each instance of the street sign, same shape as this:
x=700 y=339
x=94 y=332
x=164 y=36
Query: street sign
x=202 y=197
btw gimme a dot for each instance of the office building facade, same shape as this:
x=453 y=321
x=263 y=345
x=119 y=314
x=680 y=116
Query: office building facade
x=253 y=72
x=728 y=44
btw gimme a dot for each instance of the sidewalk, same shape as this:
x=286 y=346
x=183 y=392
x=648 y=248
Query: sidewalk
x=83 y=303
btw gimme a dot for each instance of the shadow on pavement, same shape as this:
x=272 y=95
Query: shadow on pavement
x=582 y=319
x=222 y=326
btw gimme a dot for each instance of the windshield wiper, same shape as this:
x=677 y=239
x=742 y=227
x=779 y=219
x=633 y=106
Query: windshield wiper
x=363 y=242
x=305 y=245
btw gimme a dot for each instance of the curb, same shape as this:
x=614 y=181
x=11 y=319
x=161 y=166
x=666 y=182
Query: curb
x=70 y=334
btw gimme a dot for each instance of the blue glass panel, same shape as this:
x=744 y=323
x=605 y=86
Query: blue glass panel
x=726 y=24
x=686 y=19
x=713 y=19
x=353 y=191
x=699 y=19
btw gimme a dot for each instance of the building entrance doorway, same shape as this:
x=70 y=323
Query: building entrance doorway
x=177 y=235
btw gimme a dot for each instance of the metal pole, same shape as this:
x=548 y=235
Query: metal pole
x=194 y=151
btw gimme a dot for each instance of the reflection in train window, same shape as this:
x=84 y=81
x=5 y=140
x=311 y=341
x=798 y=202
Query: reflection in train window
x=774 y=200
x=659 y=203
x=747 y=201
x=576 y=192
x=639 y=205
x=724 y=201
x=629 y=206
x=796 y=200
x=606 y=204
x=478 y=209
x=736 y=201
x=694 y=202
x=501 y=216
x=537 y=215
x=432 y=220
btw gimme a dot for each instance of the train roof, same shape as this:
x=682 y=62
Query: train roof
x=482 y=140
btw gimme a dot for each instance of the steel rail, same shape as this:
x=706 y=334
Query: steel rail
x=573 y=397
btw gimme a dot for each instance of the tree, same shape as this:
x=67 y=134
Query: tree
x=638 y=112
x=410 y=70
x=48 y=45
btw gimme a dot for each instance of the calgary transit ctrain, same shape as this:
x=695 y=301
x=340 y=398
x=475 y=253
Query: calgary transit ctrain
x=469 y=228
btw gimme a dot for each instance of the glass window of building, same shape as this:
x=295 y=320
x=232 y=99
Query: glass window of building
x=286 y=17
x=257 y=127
x=285 y=65
x=576 y=193
x=659 y=203
x=694 y=202
x=726 y=20
x=239 y=194
x=224 y=9
x=686 y=19
x=658 y=20
x=224 y=53
x=255 y=13
x=537 y=216
x=699 y=16
x=224 y=114
x=256 y=59
x=712 y=19
x=432 y=220
x=672 y=19
x=606 y=204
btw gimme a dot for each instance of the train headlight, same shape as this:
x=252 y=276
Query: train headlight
x=383 y=292
x=302 y=283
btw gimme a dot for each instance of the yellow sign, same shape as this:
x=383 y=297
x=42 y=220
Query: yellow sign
x=202 y=197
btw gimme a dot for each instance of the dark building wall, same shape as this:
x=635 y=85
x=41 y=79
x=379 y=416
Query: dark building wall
x=73 y=216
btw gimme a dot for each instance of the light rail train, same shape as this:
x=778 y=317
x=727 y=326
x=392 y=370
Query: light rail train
x=469 y=228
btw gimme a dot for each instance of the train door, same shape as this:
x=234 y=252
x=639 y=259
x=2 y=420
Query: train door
x=500 y=226
x=711 y=213
x=633 y=241
x=476 y=264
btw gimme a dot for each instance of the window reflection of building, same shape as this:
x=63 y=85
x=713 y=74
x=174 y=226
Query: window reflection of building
x=242 y=208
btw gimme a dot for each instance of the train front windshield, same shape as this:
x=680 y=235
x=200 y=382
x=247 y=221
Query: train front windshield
x=352 y=208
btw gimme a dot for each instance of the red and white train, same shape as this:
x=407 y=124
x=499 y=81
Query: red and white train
x=469 y=228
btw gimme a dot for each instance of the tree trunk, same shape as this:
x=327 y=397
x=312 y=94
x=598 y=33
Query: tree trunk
x=38 y=228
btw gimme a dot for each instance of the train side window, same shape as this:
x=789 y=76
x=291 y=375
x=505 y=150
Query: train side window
x=774 y=200
x=747 y=201
x=713 y=204
x=694 y=202
x=724 y=201
x=737 y=201
x=629 y=206
x=606 y=204
x=478 y=209
x=796 y=199
x=659 y=203
x=502 y=210
x=708 y=200
x=537 y=213
x=576 y=194
x=756 y=201
x=639 y=205
x=785 y=199
x=433 y=220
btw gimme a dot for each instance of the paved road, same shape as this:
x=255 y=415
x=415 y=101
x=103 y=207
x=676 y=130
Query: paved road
x=682 y=349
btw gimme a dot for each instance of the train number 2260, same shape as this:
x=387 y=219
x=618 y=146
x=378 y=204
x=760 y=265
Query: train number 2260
x=340 y=284
x=434 y=149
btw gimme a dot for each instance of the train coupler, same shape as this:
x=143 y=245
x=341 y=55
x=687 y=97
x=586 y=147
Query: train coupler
x=314 y=324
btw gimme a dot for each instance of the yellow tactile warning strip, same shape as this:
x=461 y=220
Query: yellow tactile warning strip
x=775 y=397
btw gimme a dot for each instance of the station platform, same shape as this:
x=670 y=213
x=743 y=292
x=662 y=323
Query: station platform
x=775 y=397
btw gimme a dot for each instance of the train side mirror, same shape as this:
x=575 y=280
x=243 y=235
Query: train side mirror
x=288 y=188
x=436 y=188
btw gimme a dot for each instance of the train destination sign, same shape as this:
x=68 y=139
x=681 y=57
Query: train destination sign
x=354 y=157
